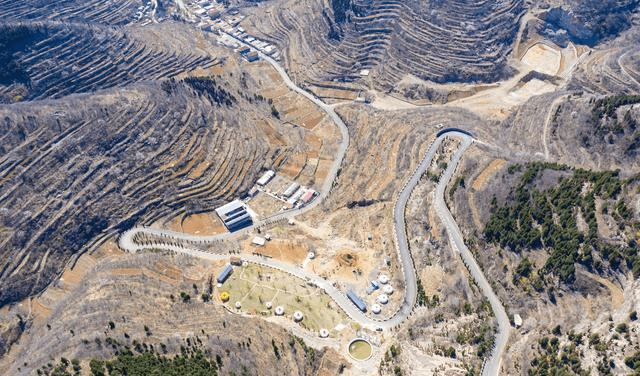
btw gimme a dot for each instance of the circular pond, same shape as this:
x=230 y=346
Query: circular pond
x=360 y=349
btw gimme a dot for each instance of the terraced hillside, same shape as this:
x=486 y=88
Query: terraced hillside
x=112 y=300
x=51 y=60
x=111 y=12
x=586 y=22
x=75 y=171
x=459 y=41
x=613 y=70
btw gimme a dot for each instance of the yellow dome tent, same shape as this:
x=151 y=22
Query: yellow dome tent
x=225 y=296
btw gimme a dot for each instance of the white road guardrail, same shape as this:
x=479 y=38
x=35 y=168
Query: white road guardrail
x=127 y=239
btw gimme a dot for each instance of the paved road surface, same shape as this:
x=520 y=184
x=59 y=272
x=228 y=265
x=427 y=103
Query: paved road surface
x=492 y=366
x=126 y=240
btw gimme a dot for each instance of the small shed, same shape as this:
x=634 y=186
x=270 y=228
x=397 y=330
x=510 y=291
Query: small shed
x=253 y=192
x=517 y=320
x=258 y=240
x=235 y=260
x=307 y=197
x=251 y=57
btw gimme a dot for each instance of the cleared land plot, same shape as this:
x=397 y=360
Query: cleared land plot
x=291 y=251
x=491 y=169
x=543 y=59
x=335 y=93
x=204 y=224
x=265 y=205
x=294 y=164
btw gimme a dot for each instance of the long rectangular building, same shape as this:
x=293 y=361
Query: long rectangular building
x=225 y=273
x=230 y=209
x=267 y=175
x=357 y=300
x=239 y=223
x=234 y=215
x=291 y=190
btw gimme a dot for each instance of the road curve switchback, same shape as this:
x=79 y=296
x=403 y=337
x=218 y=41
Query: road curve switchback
x=492 y=365
x=127 y=240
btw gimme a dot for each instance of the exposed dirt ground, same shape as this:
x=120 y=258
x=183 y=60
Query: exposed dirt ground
x=543 y=59
x=282 y=249
x=198 y=224
x=351 y=234
x=72 y=317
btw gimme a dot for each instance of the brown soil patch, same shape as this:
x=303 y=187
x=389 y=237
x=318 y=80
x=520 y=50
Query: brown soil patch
x=200 y=72
x=335 y=93
x=617 y=296
x=315 y=144
x=273 y=137
x=324 y=166
x=294 y=164
x=432 y=277
x=435 y=223
x=327 y=130
x=126 y=271
x=311 y=121
x=203 y=224
x=75 y=275
x=197 y=224
x=347 y=259
x=293 y=252
x=109 y=248
x=157 y=276
x=200 y=168
x=39 y=310
x=289 y=110
x=175 y=224
x=275 y=92
x=218 y=69
x=195 y=274
x=167 y=270
x=480 y=181
x=349 y=262
x=274 y=76
x=474 y=210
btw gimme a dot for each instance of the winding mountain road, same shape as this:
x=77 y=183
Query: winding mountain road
x=127 y=239
x=492 y=366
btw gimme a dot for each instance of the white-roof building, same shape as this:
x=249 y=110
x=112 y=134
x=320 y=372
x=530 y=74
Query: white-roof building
x=517 y=320
x=258 y=240
x=291 y=190
x=266 y=177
